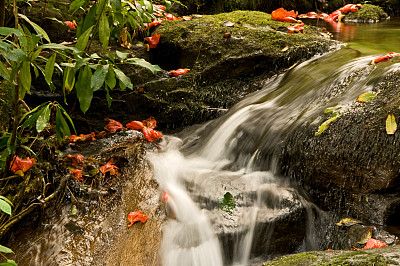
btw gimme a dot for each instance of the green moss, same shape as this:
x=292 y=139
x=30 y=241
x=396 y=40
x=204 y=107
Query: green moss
x=331 y=258
x=304 y=258
x=367 y=13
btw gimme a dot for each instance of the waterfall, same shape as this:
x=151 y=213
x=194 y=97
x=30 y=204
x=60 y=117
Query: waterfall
x=238 y=153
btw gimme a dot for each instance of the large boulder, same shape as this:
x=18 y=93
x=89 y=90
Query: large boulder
x=223 y=69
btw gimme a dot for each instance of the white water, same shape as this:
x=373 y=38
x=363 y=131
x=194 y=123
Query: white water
x=228 y=155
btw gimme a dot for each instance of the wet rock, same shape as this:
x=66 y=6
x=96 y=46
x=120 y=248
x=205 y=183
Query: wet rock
x=367 y=13
x=352 y=168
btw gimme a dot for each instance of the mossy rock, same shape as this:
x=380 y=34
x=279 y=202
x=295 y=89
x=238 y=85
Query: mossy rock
x=223 y=70
x=367 y=13
x=376 y=256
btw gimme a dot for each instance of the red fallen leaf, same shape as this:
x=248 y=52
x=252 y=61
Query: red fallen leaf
x=165 y=196
x=349 y=8
x=100 y=134
x=334 y=16
x=374 y=243
x=82 y=138
x=109 y=167
x=282 y=15
x=171 y=17
x=77 y=174
x=150 y=122
x=70 y=24
x=22 y=165
x=296 y=28
x=155 y=22
x=136 y=216
x=151 y=134
x=329 y=249
x=153 y=40
x=384 y=58
x=159 y=7
x=113 y=125
x=77 y=159
x=136 y=125
x=179 y=71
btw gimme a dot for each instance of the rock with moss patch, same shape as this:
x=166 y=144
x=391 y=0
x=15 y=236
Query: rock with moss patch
x=367 y=13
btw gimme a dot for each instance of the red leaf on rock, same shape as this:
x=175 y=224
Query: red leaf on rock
x=113 y=125
x=70 y=24
x=296 y=28
x=77 y=174
x=82 y=138
x=349 y=8
x=155 y=22
x=136 y=216
x=334 y=16
x=374 y=243
x=23 y=165
x=179 y=71
x=136 y=125
x=150 y=122
x=109 y=167
x=153 y=40
x=385 y=57
x=77 y=159
x=286 y=16
x=171 y=17
x=151 y=134
x=159 y=7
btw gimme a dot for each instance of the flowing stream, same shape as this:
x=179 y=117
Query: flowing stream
x=237 y=153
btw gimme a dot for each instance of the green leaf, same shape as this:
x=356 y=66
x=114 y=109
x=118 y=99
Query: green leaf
x=99 y=77
x=143 y=63
x=69 y=79
x=83 y=89
x=67 y=116
x=326 y=124
x=6 y=31
x=57 y=47
x=391 y=125
x=36 y=27
x=108 y=97
x=6 y=200
x=4 y=249
x=148 y=5
x=227 y=203
x=89 y=21
x=365 y=97
x=123 y=78
x=80 y=62
x=122 y=55
x=104 y=30
x=25 y=78
x=43 y=119
x=29 y=114
x=76 y=4
x=9 y=263
x=5 y=207
x=4 y=72
x=49 y=69
x=111 y=82
x=62 y=128
x=83 y=39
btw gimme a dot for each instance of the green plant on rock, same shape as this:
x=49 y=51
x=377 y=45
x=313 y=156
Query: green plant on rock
x=5 y=206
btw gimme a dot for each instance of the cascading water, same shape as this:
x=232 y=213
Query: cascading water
x=238 y=153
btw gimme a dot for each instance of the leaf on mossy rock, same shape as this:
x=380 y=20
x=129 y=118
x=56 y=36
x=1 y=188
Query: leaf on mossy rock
x=391 y=125
x=365 y=97
x=348 y=222
x=366 y=236
x=227 y=203
x=326 y=124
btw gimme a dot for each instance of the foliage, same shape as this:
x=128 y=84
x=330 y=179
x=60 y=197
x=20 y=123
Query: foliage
x=227 y=203
x=5 y=206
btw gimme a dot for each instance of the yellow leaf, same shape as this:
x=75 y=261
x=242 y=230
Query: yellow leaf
x=367 y=235
x=285 y=49
x=348 y=222
x=391 y=125
x=365 y=97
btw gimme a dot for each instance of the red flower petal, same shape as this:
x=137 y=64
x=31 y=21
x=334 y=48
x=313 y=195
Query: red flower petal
x=77 y=174
x=82 y=138
x=150 y=122
x=153 y=40
x=136 y=125
x=179 y=71
x=77 y=159
x=70 y=24
x=136 y=216
x=109 y=167
x=113 y=125
x=23 y=165
x=374 y=243
x=151 y=134
x=282 y=15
